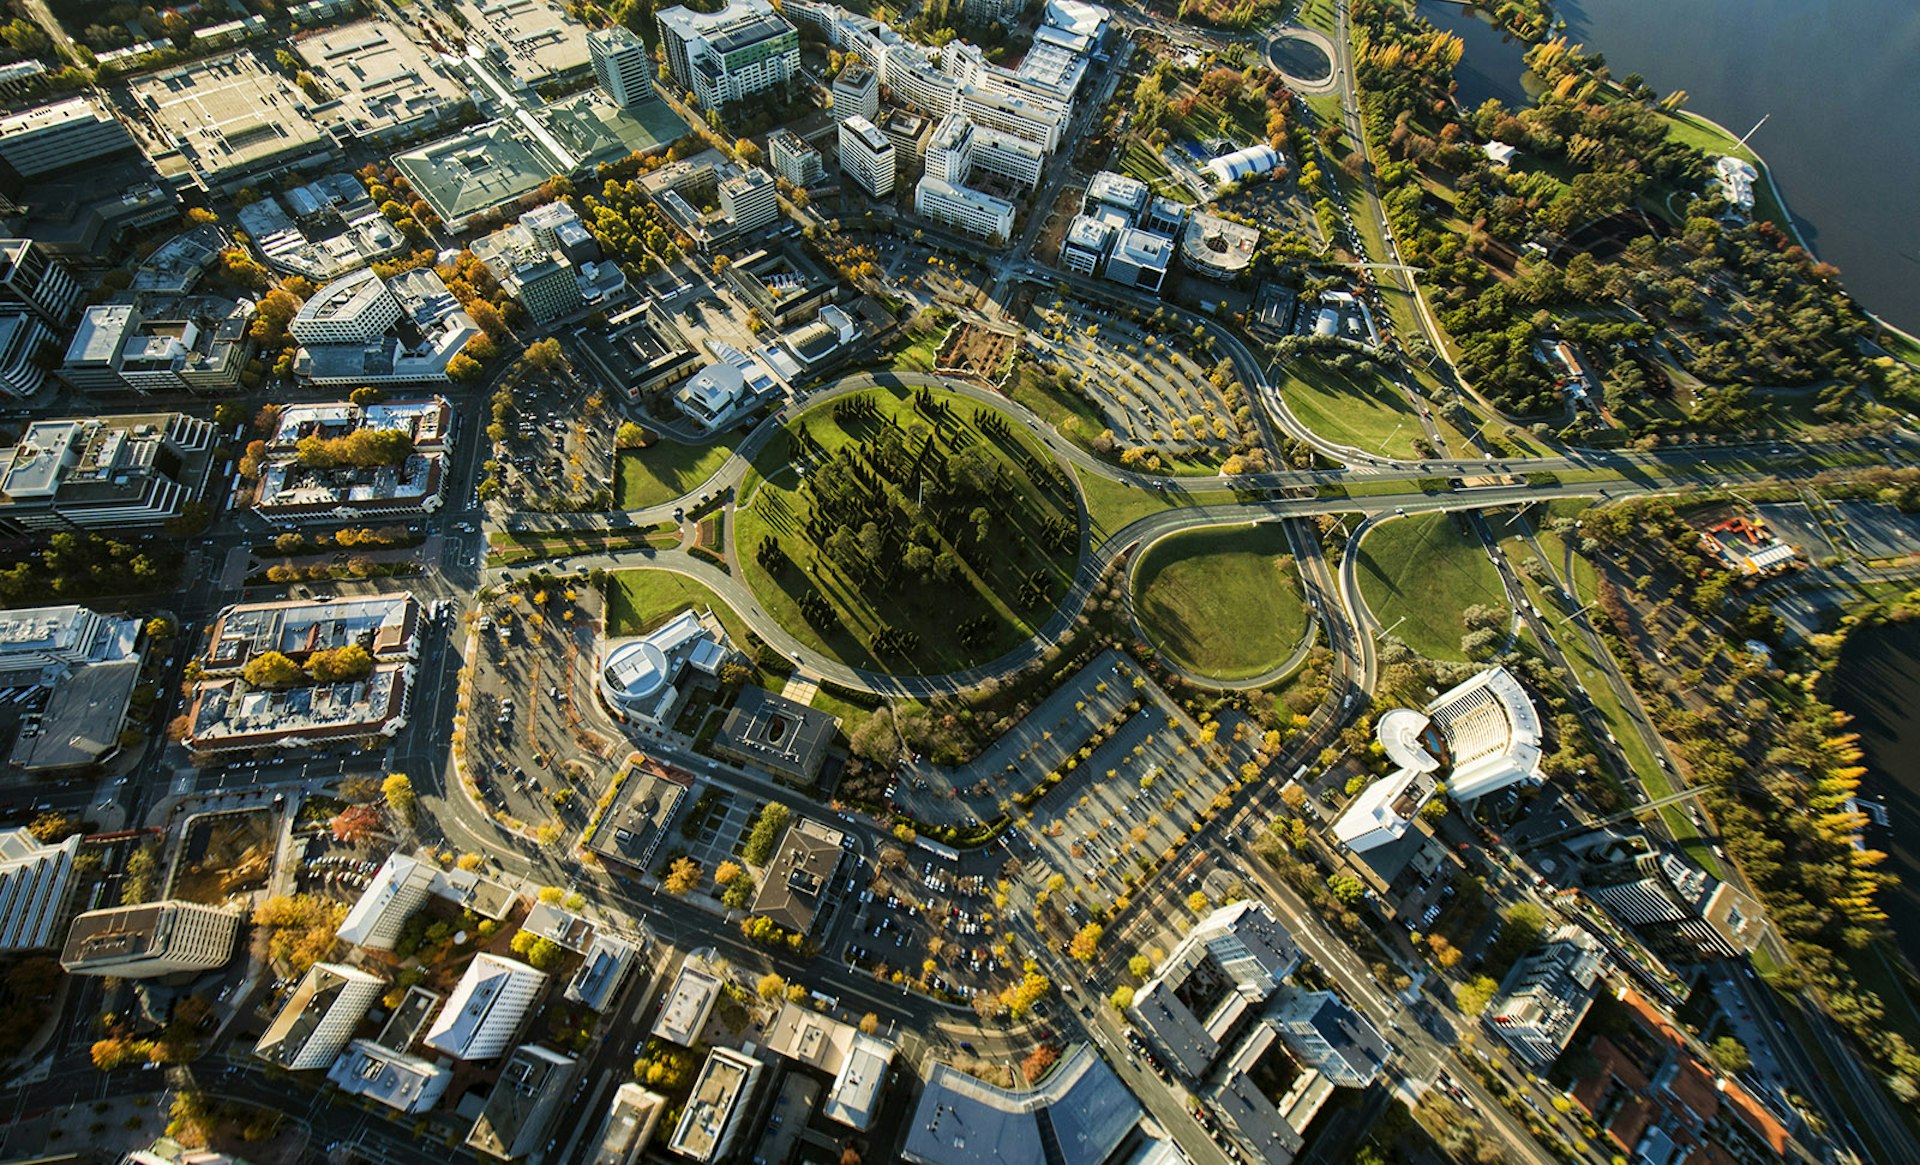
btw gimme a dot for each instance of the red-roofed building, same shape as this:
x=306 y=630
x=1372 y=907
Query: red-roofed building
x=1660 y=1103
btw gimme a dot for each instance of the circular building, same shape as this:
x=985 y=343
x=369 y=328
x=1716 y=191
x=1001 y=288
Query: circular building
x=640 y=678
x=1218 y=247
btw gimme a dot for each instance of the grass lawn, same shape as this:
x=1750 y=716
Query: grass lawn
x=506 y=548
x=665 y=471
x=1711 y=141
x=640 y=600
x=998 y=592
x=1362 y=409
x=1418 y=574
x=1111 y=506
x=1223 y=602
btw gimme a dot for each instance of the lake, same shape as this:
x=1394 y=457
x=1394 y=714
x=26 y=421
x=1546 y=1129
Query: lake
x=1838 y=84
x=1878 y=683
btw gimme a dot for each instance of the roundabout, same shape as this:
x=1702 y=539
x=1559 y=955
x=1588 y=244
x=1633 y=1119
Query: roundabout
x=1304 y=57
x=915 y=531
x=1183 y=581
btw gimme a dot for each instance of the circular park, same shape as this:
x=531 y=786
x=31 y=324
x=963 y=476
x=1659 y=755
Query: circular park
x=1223 y=602
x=908 y=531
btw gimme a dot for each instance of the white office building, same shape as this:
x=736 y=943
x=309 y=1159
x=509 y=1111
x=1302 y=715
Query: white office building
x=319 y=1017
x=750 y=200
x=398 y=890
x=483 y=1014
x=349 y=310
x=966 y=209
x=1229 y=964
x=36 y=882
x=856 y=92
x=867 y=156
x=793 y=159
x=741 y=51
x=621 y=66
x=150 y=940
x=404 y=1083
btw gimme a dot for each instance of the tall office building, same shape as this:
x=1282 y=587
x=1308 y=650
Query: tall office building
x=750 y=199
x=484 y=1012
x=867 y=156
x=621 y=66
x=150 y=940
x=31 y=276
x=741 y=51
x=856 y=92
x=962 y=207
x=350 y=310
x=793 y=159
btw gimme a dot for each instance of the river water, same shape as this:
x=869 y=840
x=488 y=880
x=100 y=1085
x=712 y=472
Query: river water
x=1878 y=683
x=1839 y=84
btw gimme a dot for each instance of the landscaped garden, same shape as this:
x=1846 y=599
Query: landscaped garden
x=1222 y=602
x=928 y=533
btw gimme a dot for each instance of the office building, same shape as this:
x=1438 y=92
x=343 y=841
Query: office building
x=603 y=970
x=60 y=135
x=800 y=876
x=24 y=340
x=1331 y=1037
x=1216 y=247
x=36 y=885
x=221 y=123
x=782 y=283
x=347 y=310
x=856 y=92
x=150 y=940
x=549 y=261
x=197 y=344
x=318 y=1019
x=774 y=733
x=531 y=1090
x=1002 y=101
x=867 y=157
x=1079 y=1115
x=396 y=893
x=793 y=159
x=89 y=665
x=483 y=169
x=649 y=795
x=721 y=1096
x=300 y=232
x=629 y=1127
x=1677 y=909
x=1126 y=196
x=691 y=1001
x=408 y=479
x=351 y=335
x=1087 y=243
x=750 y=200
x=482 y=1015
x=86 y=473
x=857 y=1062
x=1139 y=260
x=744 y=50
x=621 y=66
x=382 y=87
x=643 y=677
x=532 y=41
x=964 y=209
x=35 y=279
x=1478 y=737
x=962 y=152
x=404 y=1083
x=1546 y=995
x=1225 y=968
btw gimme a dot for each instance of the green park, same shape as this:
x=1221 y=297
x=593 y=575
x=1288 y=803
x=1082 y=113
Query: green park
x=1184 y=583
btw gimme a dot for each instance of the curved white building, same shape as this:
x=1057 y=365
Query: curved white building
x=1477 y=738
x=640 y=677
x=1251 y=162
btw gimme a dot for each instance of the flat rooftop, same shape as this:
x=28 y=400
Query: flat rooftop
x=537 y=38
x=382 y=82
x=222 y=116
x=483 y=168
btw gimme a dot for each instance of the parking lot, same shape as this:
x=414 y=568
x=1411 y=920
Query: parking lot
x=1799 y=528
x=561 y=442
x=916 y=917
x=1153 y=390
x=533 y=747
x=932 y=278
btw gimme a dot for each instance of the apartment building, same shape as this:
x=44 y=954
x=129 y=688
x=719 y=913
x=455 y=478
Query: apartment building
x=793 y=159
x=963 y=208
x=483 y=1014
x=33 y=278
x=1546 y=995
